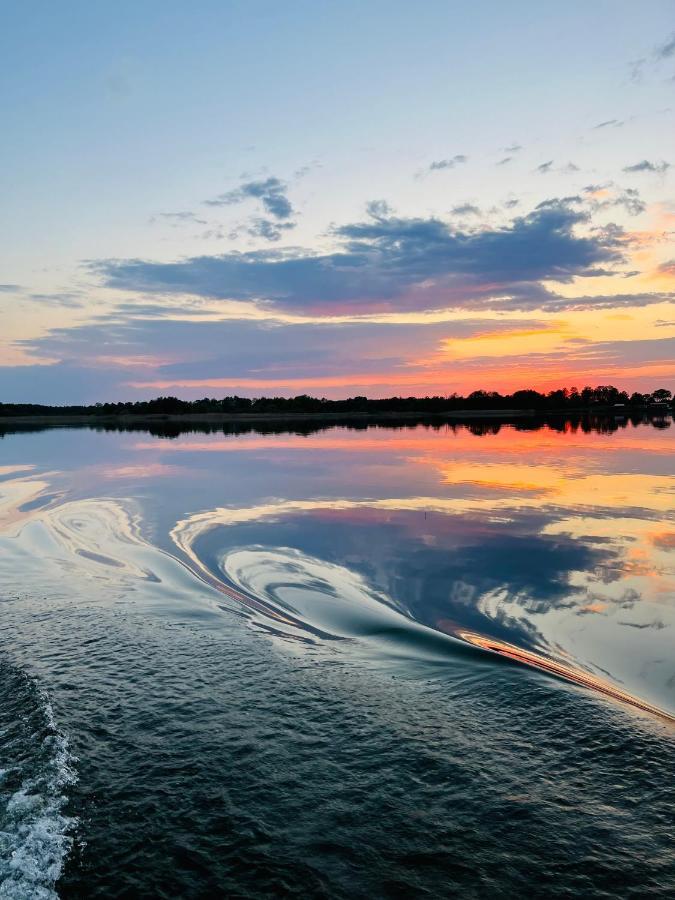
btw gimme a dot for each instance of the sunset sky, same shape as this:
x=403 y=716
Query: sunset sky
x=335 y=198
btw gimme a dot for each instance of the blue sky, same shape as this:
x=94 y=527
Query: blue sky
x=165 y=165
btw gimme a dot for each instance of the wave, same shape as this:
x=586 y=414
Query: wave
x=36 y=834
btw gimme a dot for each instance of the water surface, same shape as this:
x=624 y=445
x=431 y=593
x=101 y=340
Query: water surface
x=349 y=661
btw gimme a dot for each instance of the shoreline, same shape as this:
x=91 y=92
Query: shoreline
x=58 y=419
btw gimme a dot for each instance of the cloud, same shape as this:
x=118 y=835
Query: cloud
x=10 y=288
x=629 y=198
x=388 y=262
x=646 y=166
x=466 y=209
x=513 y=148
x=378 y=209
x=608 y=195
x=242 y=349
x=503 y=162
x=667 y=49
x=448 y=163
x=547 y=167
x=183 y=217
x=662 y=52
x=636 y=69
x=270 y=191
x=268 y=229
x=70 y=299
x=609 y=123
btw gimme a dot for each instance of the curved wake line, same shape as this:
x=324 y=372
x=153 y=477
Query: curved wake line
x=560 y=670
x=406 y=631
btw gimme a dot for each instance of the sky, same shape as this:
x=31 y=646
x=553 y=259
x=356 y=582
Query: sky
x=377 y=198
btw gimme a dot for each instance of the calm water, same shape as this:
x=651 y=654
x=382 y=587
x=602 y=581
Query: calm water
x=346 y=663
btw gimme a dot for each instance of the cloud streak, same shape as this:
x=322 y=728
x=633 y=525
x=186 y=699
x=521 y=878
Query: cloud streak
x=451 y=163
x=270 y=191
x=645 y=165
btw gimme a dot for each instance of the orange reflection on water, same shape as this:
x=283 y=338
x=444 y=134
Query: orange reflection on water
x=505 y=440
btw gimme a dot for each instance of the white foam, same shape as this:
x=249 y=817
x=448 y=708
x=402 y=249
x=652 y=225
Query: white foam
x=36 y=835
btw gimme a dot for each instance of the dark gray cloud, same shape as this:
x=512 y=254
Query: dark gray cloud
x=608 y=123
x=503 y=162
x=544 y=168
x=270 y=191
x=395 y=263
x=646 y=166
x=448 y=163
x=9 y=288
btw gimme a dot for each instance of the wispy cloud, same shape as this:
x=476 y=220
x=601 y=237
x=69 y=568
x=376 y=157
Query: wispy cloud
x=268 y=229
x=378 y=209
x=568 y=169
x=604 y=196
x=666 y=50
x=465 y=209
x=608 y=123
x=68 y=299
x=449 y=163
x=183 y=217
x=658 y=168
x=270 y=191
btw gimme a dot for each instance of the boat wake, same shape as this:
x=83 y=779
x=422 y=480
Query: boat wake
x=37 y=769
x=293 y=595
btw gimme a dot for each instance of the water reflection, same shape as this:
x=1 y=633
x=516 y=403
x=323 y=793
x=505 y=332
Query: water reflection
x=521 y=578
x=550 y=545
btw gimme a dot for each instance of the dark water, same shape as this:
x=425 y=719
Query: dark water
x=374 y=662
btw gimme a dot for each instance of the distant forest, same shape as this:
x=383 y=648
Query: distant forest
x=603 y=397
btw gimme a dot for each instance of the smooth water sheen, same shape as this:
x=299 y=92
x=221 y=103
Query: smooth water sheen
x=348 y=662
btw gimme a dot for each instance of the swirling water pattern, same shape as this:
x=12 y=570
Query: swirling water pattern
x=267 y=693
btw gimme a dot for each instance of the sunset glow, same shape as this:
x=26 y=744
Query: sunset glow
x=451 y=258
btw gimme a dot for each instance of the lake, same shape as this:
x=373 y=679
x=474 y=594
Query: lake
x=427 y=660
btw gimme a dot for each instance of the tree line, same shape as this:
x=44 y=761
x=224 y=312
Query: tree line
x=602 y=397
